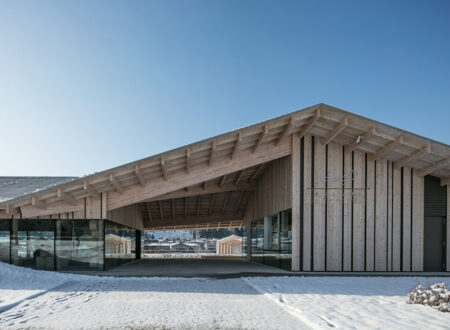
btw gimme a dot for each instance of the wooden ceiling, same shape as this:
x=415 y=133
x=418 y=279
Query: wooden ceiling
x=214 y=158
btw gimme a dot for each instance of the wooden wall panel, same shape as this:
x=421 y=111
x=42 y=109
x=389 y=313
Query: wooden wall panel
x=370 y=213
x=334 y=208
x=396 y=219
x=296 y=189
x=448 y=227
x=406 y=219
x=381 y=236
x=347 y=220
x=359 y=216
x=417 y=229
x=307 y=192
x=389 y=215
x=130 y=216
x=319 y=206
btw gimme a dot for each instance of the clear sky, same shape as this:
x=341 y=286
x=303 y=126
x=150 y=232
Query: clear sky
x=88 y=85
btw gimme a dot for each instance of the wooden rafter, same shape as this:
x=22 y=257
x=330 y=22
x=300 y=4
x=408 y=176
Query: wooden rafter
x=335 y=132
x=213 y=152
x=116 y=184
x=36 y=202
x=286 y=131
x=66 y=197
x=307 y=127
x=198 y=205
x=139 y=176
x=257 y=172
x=222 y=182
x=387 y=148
x=161 y=213
x=163 y=168
x=236 y=145
x=173 y=209
x=225 y=202
x=435 y=167
x=361 y=140
x=188 y=159
x=239 y=178
x=211 y=206
x=416 y=155
x=91 y=190
x=261 y=138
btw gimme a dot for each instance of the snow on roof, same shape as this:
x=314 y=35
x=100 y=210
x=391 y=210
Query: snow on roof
x=16 y=186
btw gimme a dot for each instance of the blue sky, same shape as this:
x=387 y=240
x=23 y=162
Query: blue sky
x=88 y=85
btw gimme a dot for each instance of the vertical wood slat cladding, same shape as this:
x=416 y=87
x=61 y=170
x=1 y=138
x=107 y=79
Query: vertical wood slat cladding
x=130 y=215
x=448 y=228
x=273 y=190
x=296 y=190
x=376 y=225
x=334 y=208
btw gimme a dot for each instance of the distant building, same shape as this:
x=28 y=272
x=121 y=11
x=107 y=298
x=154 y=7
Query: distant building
x=117 y=244
x=229 y=245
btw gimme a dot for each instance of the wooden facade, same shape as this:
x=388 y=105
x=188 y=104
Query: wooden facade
x=355 y=188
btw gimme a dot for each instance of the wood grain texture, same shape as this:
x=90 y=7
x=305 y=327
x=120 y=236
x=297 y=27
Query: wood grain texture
x=370 y=214
x=319 y=206
x=396 y=220
x=381 y=216
x=348 y=210
x=296 y=189
x=417 y=221
x=359 y=217
x=406 y=232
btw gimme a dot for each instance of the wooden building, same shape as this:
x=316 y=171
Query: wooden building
x=357 y=195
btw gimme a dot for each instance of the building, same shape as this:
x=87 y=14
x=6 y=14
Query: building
x=229 y=245
x=319 y=189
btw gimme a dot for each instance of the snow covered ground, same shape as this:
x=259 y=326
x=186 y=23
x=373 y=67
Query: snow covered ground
x=34 y=299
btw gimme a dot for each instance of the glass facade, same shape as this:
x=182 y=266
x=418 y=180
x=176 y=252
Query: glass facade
x=66 y=244
x=272 y=240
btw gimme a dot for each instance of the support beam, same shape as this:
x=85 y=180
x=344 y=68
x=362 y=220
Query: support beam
x=213 y=152
x=236 y=146
x=161 y=213
x=116 y=184
x=435 y=167
x=181 y=222
x=339 y=128
x=222 y=182
x=211 y=204
x=91 y=190
x=307 y=127
x=261 y=138
x=257 y=172
x=239 y=178
x=67 y=198
x=361 y=140
x=188 y=160
x=387 y=148
x=139 y=175
x=38 y=203
x=416 y=155
x=163 y=168
x=286 y=131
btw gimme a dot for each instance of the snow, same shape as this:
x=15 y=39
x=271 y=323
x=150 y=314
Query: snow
x=50 y=300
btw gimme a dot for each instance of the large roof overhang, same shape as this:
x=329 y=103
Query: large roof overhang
x=221 y=159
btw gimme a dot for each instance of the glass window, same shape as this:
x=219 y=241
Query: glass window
x=33 y=244
x=120 y=244
x=79 y=244
x=5 y=227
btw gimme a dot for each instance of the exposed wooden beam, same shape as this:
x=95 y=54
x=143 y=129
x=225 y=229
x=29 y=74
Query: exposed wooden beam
x=387 y=148
x=116 y=184
x=11 y=210
x=307 y=127
x=164 y=168
x=213 y=152
x=222 y=182
x=139 y=175
x=361 y=140
x=286 y=131
x=91 y=190
x=434 y=167
x=161 y=213
x=239 y=178
x=198 y=205
x=192 y=220
x=257 y=172
x=261 y=138
x=211 y=205
x=198 y=190
x=38 y=203
x=225 y=202
x=66 y=197
x=338 y=129
x=188 y=160
x=236 y=145
x=173 y=209
x=416 y=155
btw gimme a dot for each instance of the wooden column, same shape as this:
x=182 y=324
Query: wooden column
x=296 y=189
x=448 y=228
x=417 y=228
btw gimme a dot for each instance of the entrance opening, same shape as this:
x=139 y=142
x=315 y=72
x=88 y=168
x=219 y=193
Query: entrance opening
x=435 y=229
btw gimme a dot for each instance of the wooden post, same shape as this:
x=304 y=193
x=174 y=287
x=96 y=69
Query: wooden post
x=448 y=228
x=296 y=189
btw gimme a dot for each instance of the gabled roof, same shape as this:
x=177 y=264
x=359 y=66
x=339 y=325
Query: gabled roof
x=151 y=177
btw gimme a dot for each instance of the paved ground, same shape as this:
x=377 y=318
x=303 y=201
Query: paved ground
x=209 y=267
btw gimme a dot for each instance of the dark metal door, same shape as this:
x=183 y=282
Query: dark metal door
x=434 y=244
